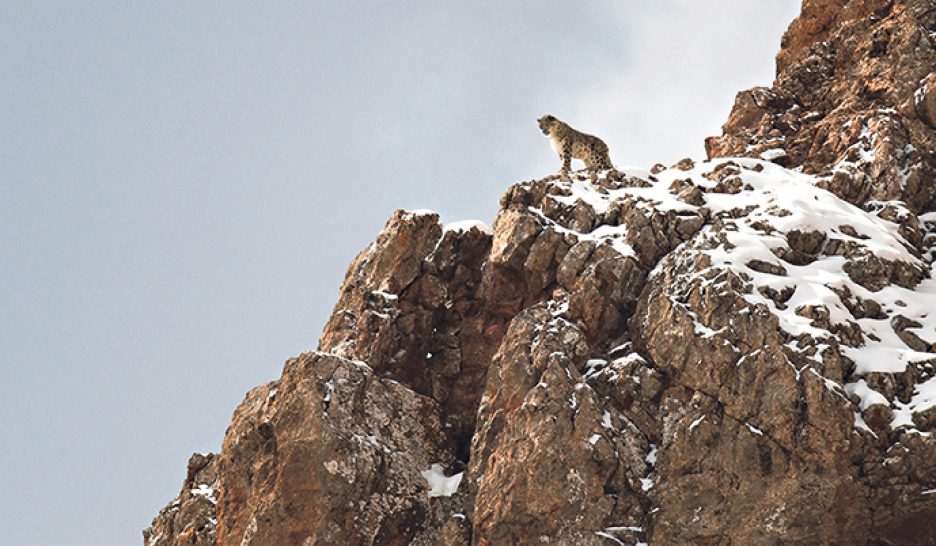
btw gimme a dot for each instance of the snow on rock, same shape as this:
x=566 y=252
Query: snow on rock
x=205 y=491
x=830 y=272
x=791 y=330
x=599 y=209
x=773 y=154
x=441 y=485
x=193 y=512
x=420 y=212
x=468 y=225
x=840 y=281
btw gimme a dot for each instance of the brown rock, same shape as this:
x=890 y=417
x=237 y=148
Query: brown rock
x=190 y=518
x=455 y=532
x=743 y=413
x=336 y=465
x=598 y=367
x=691 y=195
x=684 y=164
x=552 y=461
x=925 y=100
x=853 y=100
x=410 y=308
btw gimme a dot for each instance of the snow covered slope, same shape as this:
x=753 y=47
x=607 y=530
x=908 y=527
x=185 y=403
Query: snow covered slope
x=834 y=276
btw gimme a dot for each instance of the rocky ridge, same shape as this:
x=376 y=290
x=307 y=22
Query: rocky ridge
x=854 y=102
x=736 y=351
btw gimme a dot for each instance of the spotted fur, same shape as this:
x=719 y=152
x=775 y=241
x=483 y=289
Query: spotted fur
x=571 y=144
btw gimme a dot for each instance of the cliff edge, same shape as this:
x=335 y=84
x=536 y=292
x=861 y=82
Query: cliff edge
x=734 y=351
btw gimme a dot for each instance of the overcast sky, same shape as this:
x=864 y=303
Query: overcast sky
x=182 y=185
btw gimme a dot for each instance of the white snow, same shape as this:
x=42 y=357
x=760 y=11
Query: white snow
x=329 y=389
x=868 y=396
x=441 y=485
x=204 y=490
x=786 y=201
x=608 y=536
x=420 y=212
x=386 y=295
x=655 y=196
x=772 y=154
x=631 y=528
x=754 y=429
x=924 y=398
x=468 y=225
x=652 y=455
x=789 y=201
x=612 y=235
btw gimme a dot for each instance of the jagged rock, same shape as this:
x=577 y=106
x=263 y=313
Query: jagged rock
x=925 y=100
x=853 y=101
x=409 y=308
x=455 y=532
x=735 y=351
x=665 y=372
x=743 y=415
x=190 y=518
x=336 y=464
x=548 y=448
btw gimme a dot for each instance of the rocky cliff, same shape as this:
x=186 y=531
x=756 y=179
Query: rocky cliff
x=736 y=351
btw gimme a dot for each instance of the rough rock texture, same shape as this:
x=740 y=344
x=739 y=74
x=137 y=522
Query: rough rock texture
x=410 y=308
x=324 y=456
x=854 y=101
x=190 y=519
x=737 y=351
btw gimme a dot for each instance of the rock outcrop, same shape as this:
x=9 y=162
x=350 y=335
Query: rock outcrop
x=854 y=102
x=191 y=518
x=330 y=453
x=736 y=351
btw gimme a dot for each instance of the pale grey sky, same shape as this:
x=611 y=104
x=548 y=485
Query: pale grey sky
x=183 y=184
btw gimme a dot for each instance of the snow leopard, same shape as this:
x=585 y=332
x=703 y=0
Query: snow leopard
x=571 y=144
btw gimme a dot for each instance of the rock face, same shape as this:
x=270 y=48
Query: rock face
x=854 y=102
x=191 y=517
x=323 y=456
x=736 y=351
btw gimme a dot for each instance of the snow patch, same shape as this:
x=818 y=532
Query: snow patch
x=773 y=154
x=441 y=485
x=652 y=455
x=420 y=212
x=468 y=225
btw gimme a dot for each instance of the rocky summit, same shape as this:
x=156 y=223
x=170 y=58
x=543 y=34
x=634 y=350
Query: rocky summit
x=735 y=351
